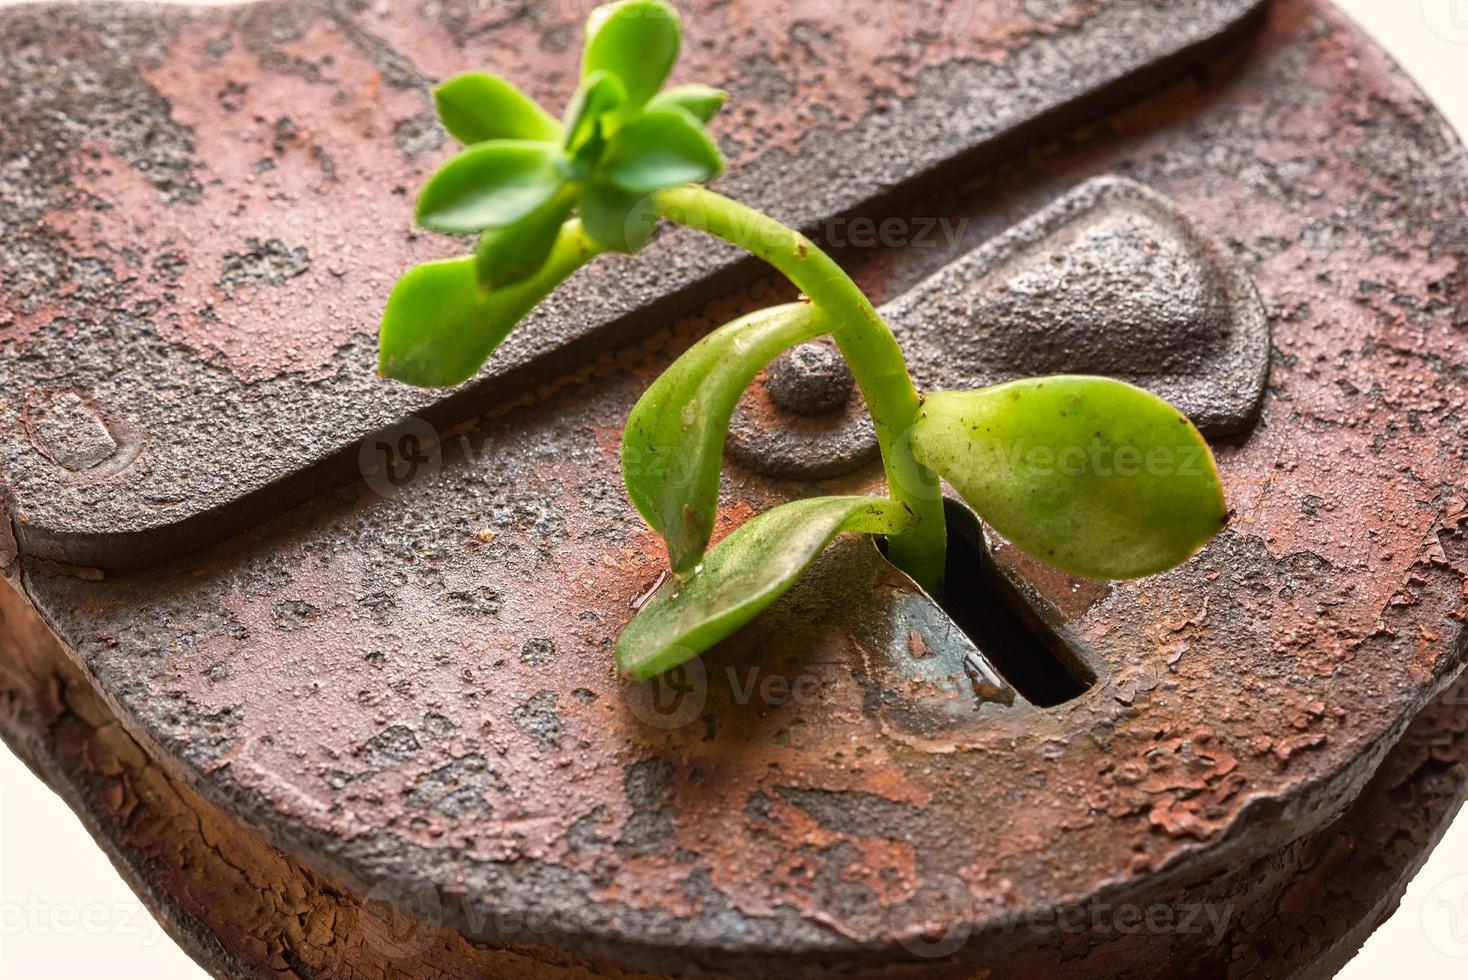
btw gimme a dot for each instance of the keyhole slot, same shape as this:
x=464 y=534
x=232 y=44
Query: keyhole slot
x=1001 y=623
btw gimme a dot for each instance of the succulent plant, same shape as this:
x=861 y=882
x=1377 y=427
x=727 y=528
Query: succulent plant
x=1092 y=475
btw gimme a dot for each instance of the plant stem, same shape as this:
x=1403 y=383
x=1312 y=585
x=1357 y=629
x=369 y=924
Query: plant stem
x=866 y=342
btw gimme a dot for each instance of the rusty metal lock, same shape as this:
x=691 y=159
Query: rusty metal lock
x=331 y=724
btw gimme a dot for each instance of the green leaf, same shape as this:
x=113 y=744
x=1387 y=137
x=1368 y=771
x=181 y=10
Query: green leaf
x=490 y=185
x=476 y=106
x=507 y=255
x=661 y=148
x=439 y=327
x=702 y=102
x=742 y=575
x=636 y=40
x=673 y=445
x=600 y=93
x=620 y=220
x=1094 y=476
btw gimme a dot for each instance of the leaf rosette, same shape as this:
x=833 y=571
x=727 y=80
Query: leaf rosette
x=621 y=139
x=546 y=195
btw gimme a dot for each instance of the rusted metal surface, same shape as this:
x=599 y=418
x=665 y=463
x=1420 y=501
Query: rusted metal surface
x=414 y=688
x=251 y=911
x=205 y=208
x=1111 y=279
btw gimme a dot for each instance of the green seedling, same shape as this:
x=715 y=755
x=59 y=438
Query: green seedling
x=1091 y=475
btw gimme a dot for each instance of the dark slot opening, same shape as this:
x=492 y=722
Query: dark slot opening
x=1015 y=641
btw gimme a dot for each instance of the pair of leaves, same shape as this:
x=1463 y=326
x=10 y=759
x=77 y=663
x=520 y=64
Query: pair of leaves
x=1092 y=475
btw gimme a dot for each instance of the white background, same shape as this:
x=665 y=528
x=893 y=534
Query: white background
x=64 y=912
